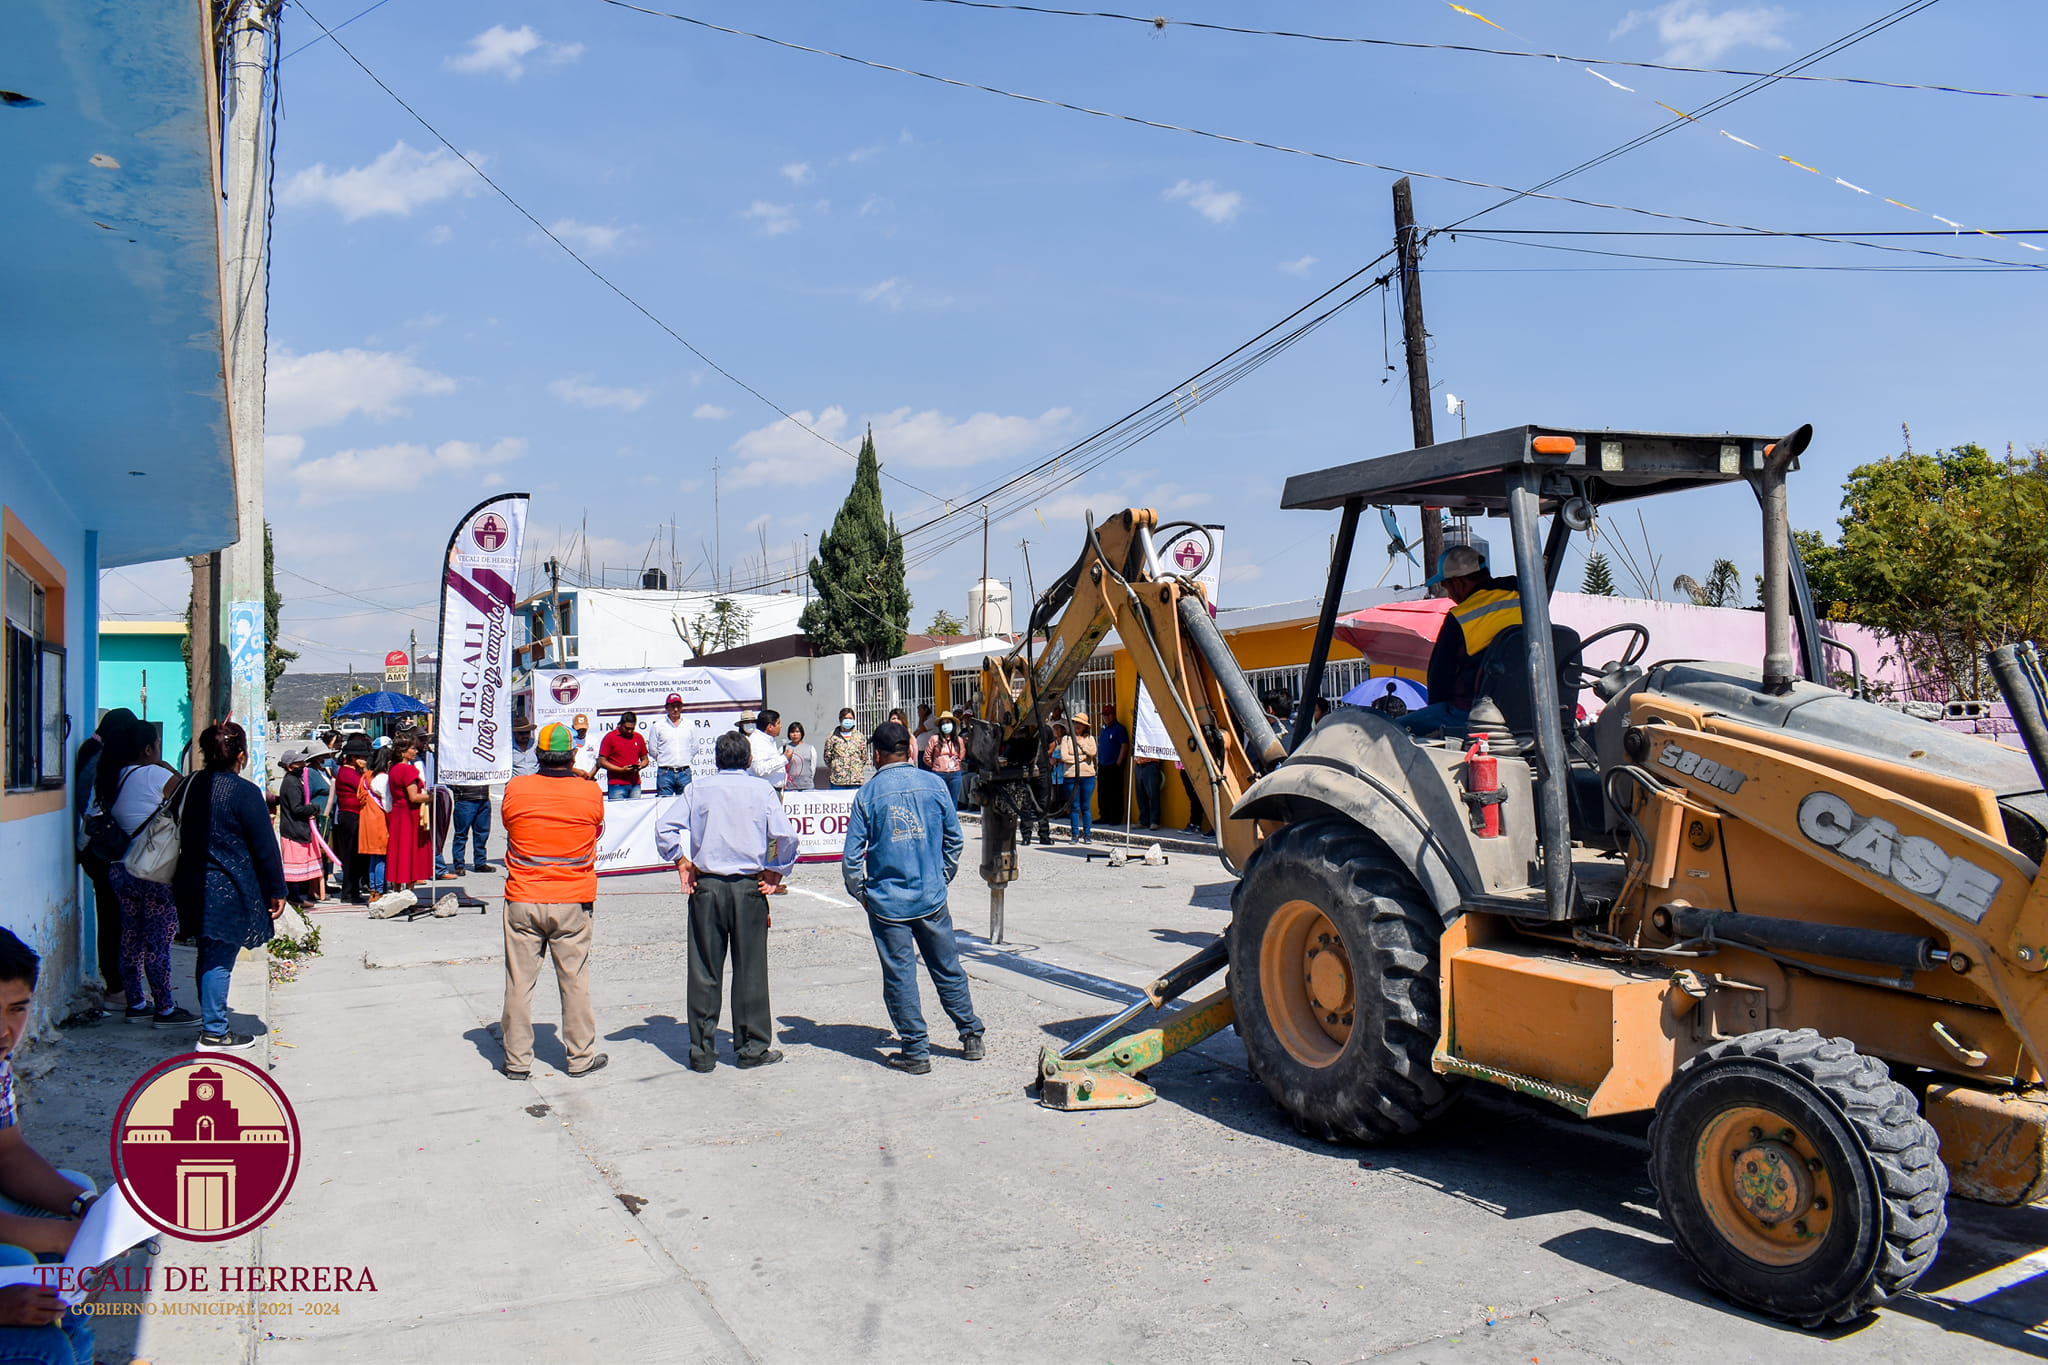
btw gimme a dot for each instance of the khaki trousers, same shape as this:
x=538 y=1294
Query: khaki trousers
x=531 y=931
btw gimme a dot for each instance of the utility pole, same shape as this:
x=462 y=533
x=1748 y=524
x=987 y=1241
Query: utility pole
x=205 y=645
x=412 y=663
x=245 y=230
x=1408 y=247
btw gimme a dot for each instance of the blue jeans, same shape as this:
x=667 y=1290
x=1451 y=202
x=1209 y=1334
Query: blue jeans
x=1435 y=716
x=375 y=875
x=898 y=943
x=621 y=791
x=1081 y=808
x=69 y=1340
x=952 y=781
x=471 y=818
x=216 y=967
x=670 y=781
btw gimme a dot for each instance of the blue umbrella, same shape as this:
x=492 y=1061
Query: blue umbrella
x=1372 y=689
x=383 y=704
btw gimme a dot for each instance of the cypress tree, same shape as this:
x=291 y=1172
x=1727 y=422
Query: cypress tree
x=1599 y=579
x=861 y=606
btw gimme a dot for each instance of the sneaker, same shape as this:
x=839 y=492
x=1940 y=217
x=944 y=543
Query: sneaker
x=226 y=1042
x=139 y=1014
x=483 y=867
x=177 y=1018
x=447 y=876
x=767 y=1058
x=903 y=1061
x=972 y=1048
x=597 y=1064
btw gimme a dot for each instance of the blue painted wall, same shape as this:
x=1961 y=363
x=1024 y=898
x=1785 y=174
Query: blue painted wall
x=132 y=660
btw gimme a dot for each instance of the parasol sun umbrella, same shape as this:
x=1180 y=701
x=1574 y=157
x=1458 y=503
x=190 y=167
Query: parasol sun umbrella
x=1396 y=634
x=383 y=704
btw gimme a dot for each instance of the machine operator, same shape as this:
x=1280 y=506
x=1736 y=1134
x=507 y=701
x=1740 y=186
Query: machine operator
x=1481 y=608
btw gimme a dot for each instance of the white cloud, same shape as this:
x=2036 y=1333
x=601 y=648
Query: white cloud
x=889 y=291
x=283 y=448
x=1299 y=267
x=397 y=182
x=587 y=395
x=321 y=388
x=783 y=453
x=860 y=154
x=1691 y=34
x=799 y=172
x=874 y=203
x=439 y=234
x=590 y=236
x=774 y=219
x=711 y=412
x=1218 y=206
x=401 y=466
x=503 y=51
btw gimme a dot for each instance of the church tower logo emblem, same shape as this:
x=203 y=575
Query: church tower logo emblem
x=205 y=1147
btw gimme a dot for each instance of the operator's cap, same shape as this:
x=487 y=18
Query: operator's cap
x=555 y=738
x=582 y=722
x=673 y=700
x=1457 y=562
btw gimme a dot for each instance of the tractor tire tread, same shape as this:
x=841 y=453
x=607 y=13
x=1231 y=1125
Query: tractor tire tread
x=1904 y=1150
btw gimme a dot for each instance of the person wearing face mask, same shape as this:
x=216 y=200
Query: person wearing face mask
x=944 y=751
x=846 y=753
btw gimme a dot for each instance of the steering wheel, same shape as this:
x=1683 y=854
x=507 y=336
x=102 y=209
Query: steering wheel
x=1637 y=647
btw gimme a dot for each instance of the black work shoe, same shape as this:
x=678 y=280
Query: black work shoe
x=176 y=1017
x=972 y=1048
x=483 y=867
x=596 y=1064
x=767 y=1058
x=225 y=1042
x=704 y=1067
x=903 y=1061
x=512 y=1075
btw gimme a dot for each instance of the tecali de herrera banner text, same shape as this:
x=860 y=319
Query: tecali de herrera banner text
x=473 y=701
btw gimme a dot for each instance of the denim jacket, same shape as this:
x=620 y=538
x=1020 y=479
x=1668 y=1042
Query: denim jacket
x=903 y=844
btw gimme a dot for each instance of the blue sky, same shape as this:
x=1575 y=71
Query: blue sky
x=986 y=281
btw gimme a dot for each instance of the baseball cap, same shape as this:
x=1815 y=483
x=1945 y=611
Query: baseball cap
x=1457 y=562
x=891 y=737
x=673 y=700
x=582 y=722
x=555 y=739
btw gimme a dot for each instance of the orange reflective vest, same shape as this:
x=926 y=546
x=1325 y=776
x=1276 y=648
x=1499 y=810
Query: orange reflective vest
x=551 y=830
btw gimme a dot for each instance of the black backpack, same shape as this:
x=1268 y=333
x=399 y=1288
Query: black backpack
x=105 y=839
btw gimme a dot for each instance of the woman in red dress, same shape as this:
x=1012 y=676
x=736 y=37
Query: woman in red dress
x=410 y=858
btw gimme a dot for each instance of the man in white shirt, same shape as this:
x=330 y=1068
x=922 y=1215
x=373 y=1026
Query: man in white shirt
x=525 y=758
x=764 y=743
x=585 y=761
x=669 y=740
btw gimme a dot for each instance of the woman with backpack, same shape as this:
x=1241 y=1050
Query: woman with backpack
x=129 y=785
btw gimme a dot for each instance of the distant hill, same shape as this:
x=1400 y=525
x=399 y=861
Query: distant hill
x=297 y=698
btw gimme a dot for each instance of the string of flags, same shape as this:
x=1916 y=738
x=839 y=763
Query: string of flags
x=1954 y=227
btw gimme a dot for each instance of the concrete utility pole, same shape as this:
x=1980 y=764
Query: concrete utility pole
x=245 y=232
x=205 y=648
x=1408 y=247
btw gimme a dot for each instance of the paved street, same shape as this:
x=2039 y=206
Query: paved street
x=831 y=1209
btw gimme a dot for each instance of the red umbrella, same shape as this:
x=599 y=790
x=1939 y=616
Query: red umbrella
x=1397 y=635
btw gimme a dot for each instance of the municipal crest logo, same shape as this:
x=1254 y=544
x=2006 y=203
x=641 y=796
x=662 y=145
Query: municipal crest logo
x=1191 y=552
x=490 y=533
x=564 y=688
x=205 y=1147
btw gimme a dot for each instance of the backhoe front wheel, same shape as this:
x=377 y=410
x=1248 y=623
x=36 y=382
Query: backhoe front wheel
x=1333 y=972
x=1797 y=1176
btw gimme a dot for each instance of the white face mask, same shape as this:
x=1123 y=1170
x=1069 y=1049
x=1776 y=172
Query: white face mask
x=947 y=728
x=746 y=727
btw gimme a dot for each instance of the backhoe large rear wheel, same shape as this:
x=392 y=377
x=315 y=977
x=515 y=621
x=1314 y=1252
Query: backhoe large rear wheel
x=1333 y=971
x=1797 y=1176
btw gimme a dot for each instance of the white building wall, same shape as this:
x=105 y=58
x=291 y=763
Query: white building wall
x=635 y=628
x=810 y=691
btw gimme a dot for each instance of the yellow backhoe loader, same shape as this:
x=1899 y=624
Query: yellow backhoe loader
x=1807 y=932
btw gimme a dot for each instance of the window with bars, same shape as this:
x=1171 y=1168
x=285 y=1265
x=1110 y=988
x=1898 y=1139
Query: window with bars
x=35 y=688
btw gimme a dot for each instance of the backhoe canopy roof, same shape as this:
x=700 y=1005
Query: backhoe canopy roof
x=1470 y=475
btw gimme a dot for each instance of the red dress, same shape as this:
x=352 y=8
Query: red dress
x=411 y=856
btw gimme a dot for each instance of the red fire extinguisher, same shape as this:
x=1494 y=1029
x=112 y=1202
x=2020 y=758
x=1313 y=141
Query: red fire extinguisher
x=1482 y=789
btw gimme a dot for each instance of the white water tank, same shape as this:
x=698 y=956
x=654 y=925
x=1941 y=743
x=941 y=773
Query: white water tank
x=988 y=608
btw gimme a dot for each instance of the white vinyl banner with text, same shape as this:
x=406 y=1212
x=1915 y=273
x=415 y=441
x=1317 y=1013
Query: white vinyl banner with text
x=628 y=845
x=473 y=711
x=712 y=701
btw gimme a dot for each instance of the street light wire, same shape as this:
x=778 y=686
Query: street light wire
x=1160 y=22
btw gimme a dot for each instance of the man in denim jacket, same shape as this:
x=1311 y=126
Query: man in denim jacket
x=903 y=846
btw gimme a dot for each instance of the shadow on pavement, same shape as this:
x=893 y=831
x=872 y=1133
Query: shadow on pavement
x=547 y=1046
x=665 y=1032
x=862 y=1042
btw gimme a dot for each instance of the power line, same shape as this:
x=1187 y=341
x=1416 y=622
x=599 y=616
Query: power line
x=337 y=28
x=1487 y=236
x=594 y=272
x=1689 y=232
x=1159 y=22
x=1513 y=193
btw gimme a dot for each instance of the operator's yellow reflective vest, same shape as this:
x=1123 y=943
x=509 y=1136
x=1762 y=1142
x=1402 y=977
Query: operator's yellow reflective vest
x=1454 y=664
x=1485 y=614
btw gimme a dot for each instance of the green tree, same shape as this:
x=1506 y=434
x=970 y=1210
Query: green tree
x=1823 y=564
x=275 y=655
x=726 y=625
x=335 y=703
x=1599 y=579
x=945 y=623
x=1947 y=556
x=862 y=605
